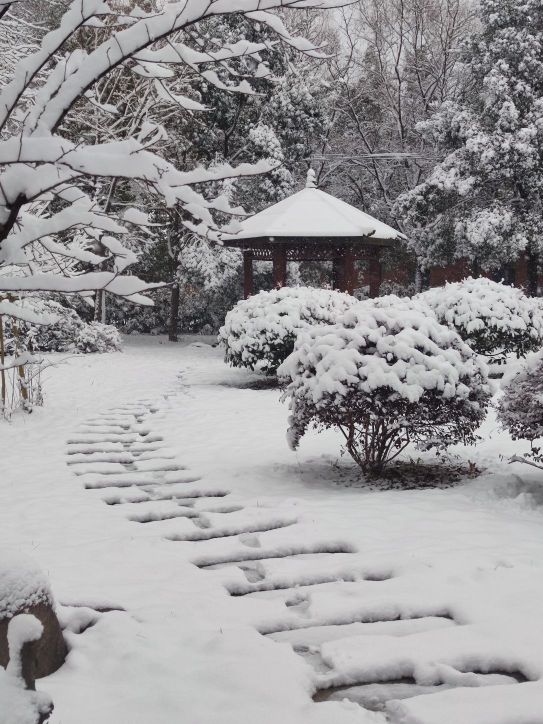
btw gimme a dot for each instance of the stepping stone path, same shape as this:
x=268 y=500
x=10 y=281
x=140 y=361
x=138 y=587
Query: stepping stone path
x=324 y=593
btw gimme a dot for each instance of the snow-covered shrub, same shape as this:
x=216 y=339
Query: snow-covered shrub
x=387 y=375
x=69 y=333
x=259 y=332
x=520 y=410
x=493 y=318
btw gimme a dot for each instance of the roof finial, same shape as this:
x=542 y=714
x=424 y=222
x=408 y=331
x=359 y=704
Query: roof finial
x=311 y=182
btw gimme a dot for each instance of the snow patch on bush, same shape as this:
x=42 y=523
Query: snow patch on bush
x=67 y=333
x=259 y=332
x=493 y=318
x=387 y=375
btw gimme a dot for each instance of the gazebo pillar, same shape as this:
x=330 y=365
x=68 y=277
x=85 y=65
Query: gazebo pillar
x=344 y=275
x=375 y=271
x=350 y=277
x=338 y=273
x=248 y=285
x=279 y=258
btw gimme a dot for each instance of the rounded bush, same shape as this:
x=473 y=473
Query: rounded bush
x=69 y=333
x=259 y=332
x=520 y=410
x=493 y=318
x=387 y=375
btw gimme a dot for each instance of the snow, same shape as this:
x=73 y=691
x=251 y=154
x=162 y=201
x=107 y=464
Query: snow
x=444 y=583
x=313 y=213
x=259 y=332
x=17 y=705
x=38 y=166
x=22 y=583
x=378 y=356
x=488 y=315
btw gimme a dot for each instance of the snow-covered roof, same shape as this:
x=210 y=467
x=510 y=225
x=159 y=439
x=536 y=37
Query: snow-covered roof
x=313 y=213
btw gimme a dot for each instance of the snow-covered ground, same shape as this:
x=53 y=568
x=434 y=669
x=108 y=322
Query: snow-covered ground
x=228 y=579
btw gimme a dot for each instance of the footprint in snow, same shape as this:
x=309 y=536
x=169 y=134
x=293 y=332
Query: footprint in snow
x=250 y=539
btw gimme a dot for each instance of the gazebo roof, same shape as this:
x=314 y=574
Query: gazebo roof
x=313 y=214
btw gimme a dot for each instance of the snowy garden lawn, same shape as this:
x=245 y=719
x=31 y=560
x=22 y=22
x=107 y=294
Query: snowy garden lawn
x=227 y=579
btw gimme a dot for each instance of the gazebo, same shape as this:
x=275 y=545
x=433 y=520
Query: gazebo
x=313 y=225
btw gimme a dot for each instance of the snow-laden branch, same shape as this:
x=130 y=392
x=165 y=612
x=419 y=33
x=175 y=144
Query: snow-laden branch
x=125 y=286
x=53 y=229
x=175 y=16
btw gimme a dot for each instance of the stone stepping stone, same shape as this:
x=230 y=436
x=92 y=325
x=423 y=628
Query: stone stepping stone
x=192 y=496
x=159 y=465
x=227 y=532
x=234 y=558
x=78 y=448
x=314 y=636
x=100 y=457
x=135 y=478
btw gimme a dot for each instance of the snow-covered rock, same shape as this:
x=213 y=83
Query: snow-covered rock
x=493 y=318
x=24 y=589
x=19 y=705
x=259 y=332
x=22 y=583
x=387 y=375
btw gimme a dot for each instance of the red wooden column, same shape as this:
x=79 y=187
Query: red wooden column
x=350 y=276
x=279 y=257
x=375 y=271
x=248 y=287
x=338 y=273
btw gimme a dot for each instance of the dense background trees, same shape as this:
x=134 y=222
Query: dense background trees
x=93 y=161
x=424 y=113
x=482 y=201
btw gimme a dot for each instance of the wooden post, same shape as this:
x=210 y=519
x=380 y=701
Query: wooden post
x=338 y=273
x=279 y=257
x=375 y=271
x=350 y=276
x=248 y=284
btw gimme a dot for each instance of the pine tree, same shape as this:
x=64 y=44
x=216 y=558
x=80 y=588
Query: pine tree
x=483 y=202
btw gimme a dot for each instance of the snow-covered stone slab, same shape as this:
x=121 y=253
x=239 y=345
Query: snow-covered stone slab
x=100 y=457
x=106 y=468
x=295 y=572
x=106 y=429
x=95 y=438
x=317 y=635
x=273 y=544
x=134 y=477
x=424 y=656
x=519 y=704
x=80 y=448
x=218 y=525
x=158 y=465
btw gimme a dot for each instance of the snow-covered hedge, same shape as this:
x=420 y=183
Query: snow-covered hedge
x=259 y=332
x=520 y=410
x=493 y=318
x=69 y=333
x=387 y=375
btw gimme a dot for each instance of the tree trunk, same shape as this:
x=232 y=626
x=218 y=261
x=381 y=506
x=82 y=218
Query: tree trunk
x=100 y=306
x=418 y=279
x=174 y=313
x=532 y=269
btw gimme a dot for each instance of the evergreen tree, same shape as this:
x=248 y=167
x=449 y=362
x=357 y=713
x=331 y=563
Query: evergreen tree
x=483 y=202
